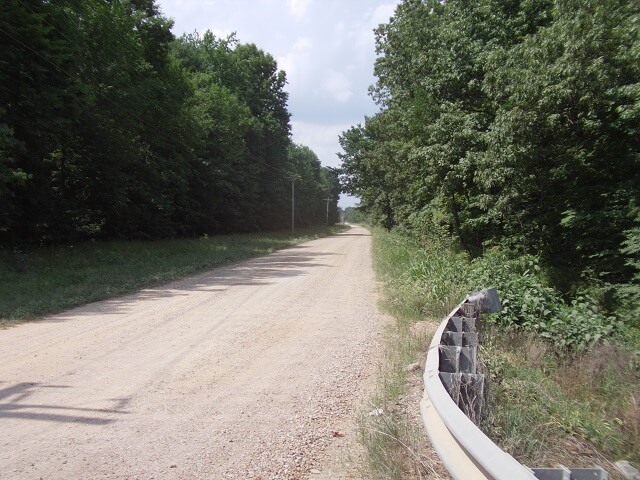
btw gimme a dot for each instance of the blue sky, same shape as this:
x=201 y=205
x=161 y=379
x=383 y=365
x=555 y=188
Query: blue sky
x=326 y=47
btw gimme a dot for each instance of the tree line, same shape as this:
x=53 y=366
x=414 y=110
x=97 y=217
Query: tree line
x=510 y=123
x=111 y=127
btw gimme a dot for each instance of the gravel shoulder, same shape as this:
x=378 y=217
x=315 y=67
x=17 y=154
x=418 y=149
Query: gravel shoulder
x=239 y=372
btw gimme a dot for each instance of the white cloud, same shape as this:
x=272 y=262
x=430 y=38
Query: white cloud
x=299 y=8
x=338 y=85
x=382 y=13
x=301 y=44
x=322 y=139
x=361 y=32
x=298 y=65
x=219 y=32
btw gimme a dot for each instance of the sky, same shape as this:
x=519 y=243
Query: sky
x=326 y=48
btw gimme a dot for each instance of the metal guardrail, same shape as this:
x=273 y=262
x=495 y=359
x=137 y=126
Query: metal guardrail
x=454 y=389
x=466 y=452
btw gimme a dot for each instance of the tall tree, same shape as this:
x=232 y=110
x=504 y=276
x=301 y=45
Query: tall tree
x=497 y=118
x=112 y=128
x=563 y=155
x=225 y=68
x=318 y=188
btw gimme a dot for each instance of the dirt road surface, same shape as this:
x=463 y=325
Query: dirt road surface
x=239 y=372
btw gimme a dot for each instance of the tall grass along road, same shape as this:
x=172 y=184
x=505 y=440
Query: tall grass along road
x=246 y=371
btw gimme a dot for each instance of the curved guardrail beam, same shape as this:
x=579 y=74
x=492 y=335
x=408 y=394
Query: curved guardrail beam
x=466 y=452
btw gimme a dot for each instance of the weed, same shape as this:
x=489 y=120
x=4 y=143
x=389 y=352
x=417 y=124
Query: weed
x=530 y=304
x=420 y=281
x=390 y=429
x=543 y=406
x=606 y=379
x=393 y=446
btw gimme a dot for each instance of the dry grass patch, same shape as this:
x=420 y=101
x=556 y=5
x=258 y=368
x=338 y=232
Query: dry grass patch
x=547 y=408
x=607 y=378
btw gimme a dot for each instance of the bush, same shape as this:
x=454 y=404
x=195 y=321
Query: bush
x=530 y=304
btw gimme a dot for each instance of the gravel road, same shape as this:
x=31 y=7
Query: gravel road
x=240 y=372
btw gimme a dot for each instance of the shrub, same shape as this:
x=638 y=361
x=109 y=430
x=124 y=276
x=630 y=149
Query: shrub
x=530 y=304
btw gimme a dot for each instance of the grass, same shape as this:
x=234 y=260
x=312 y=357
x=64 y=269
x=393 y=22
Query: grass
x=575 y=410
x=393 y=436
x=419 y=282
x=390 y=428
x=49 y=280
x=547 y=405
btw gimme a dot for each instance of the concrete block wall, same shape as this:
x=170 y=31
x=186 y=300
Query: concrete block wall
x=457 y=369
x=459 y=364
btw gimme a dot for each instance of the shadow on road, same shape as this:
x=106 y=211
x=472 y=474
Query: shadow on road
x=290 y=262
x=13 y=404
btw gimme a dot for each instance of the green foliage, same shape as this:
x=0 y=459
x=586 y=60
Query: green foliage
x=430 y=278
x=628 y=295
x=316 y=185
x=354 y=215
x=530 y=304
x=631 y=248
x=551 y=400
x=421 y=281
x=560 y=94
x=112 y=128
x=508 y=123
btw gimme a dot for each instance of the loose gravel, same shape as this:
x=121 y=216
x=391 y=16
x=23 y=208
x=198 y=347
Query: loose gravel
x=251 y=371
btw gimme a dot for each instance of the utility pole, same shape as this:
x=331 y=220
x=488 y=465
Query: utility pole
x=328 y=199
x=293 y=204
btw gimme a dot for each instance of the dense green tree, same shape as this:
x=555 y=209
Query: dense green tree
x=110 y=127
x=430 y=75
x=563 y=155
x=251 y=78
x=317 y=188
x=137 y=130
x=89 y=113
x=310 y=191
x=41 y=96
x=354 y=215
x=376 y=169
x=506 y=122
x=262 y=88
x=331 y=178
x=231 y=189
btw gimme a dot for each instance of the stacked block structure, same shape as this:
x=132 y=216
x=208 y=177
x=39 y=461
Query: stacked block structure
x=459 y=364
x=453 y=403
